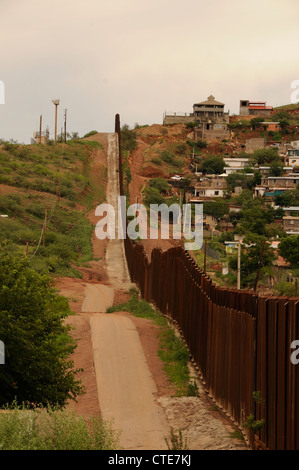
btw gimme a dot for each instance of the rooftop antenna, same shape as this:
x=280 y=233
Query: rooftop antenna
x=56 y=103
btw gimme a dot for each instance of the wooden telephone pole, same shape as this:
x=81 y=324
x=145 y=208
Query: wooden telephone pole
x=40 y=129
x=259 y=265
x=45 y=227
x=239 y=267
x=65 y=111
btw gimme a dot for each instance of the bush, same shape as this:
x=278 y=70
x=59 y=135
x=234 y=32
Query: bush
x=201 y=144
x=89 y=134
x=285 y=288
x=50 y=429
x=156 y=161
x=37 y=342
x=160 y=184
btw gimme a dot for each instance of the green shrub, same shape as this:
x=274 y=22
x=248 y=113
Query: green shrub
x=156 y=161
x=89 y=134
x=50 y=429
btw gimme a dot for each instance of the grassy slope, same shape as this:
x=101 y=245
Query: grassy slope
x=29 y=186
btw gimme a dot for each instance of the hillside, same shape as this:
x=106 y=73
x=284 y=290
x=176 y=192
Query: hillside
x=52 y=185
x=162 y=151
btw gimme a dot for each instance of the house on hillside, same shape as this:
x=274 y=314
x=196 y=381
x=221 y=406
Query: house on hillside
x=210 y=186
x=271 y=126
x=265 y=170
x=295 y=144
x=212 y=121
x=291 y=224
x=292 y=157
x=272 y=186
x=255 y=108
x=288 y=181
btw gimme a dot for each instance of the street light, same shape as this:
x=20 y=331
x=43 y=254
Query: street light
x=56 y=103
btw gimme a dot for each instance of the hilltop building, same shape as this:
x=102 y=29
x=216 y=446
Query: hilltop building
x=255 y=108
x=210 y=118
x=212 y=121
x=40 y=137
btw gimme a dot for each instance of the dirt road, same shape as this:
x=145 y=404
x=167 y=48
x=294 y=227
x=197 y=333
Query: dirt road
x=126 y=389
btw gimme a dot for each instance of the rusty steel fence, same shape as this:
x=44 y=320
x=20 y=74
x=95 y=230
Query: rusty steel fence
x=239 y=341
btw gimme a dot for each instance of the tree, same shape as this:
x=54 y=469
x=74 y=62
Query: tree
x=239 y=179
x=256 y=122
x=212 y=165
x=128 y=139
x=255 y=217
x=160 y=184
x=276 y=168
x=246 y=195
x=250 y=256
x=38 y=369
x=288 y=198
x=263 y=156
x=218 y=208
x=201 y=144
x=289 y=249
x=284 y=122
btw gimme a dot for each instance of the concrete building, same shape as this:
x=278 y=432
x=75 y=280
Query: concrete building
x=236 y=162
x=254 y=144
x=292 y=157
x=292 y=210
x=285 y=182
x=255 y=108
x=210 y=187
x=295 y=144
x=265 y=170
x=271 y=186
x=177 y=118
x=40 y=138
x=212 y=120
x=291 y=225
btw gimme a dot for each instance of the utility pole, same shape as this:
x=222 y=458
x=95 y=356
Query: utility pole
x=239 y=267
x=65 y=111
x=205 y=257
x=45 y=226
x=259 y=265
x=40 y=129
x=56 y=103
x=59 y=183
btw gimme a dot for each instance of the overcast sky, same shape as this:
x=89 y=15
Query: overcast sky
x=140 y=58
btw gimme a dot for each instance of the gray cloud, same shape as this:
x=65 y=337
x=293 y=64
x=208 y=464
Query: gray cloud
x=139 y=59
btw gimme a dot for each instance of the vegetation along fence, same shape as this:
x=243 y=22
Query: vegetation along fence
x=240 y=342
